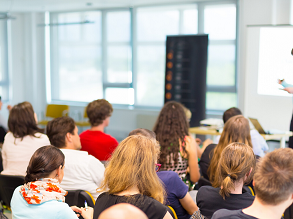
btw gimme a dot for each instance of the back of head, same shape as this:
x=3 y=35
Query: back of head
x=21 y=121
x=143 y=132
x=43 y=162
x=171 y=128
x=133 y=164
x=98 y=110
x=236 y=129
x=236 y=162
x=274 y=176
x=122 y=211
x=230 y=113
x=57 y=130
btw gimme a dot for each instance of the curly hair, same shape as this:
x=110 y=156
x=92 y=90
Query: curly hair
x=98 y=110
x=171 y=128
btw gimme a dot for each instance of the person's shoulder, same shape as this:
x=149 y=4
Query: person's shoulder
x=207 y=192
x=230 y=214
x=168 y=174
x=84 y=133
x=154 y=205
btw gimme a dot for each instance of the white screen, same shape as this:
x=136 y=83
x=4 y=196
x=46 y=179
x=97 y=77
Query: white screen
x=275 y=60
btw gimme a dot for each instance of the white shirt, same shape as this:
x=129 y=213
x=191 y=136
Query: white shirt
x=82 y=171
x=16 y=153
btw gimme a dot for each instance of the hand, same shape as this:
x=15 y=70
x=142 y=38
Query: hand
x=198 y=141
x=76 y=209
x=87 y=213
x=289 y=90
x=191 y=145
x=9 y=107
x=280 y=81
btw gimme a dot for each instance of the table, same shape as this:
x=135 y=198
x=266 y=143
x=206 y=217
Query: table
x=213 y=132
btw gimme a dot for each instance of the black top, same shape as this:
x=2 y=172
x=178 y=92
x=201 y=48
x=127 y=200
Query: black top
x=151 y=207
x=209 y=200
x=227 y=214
x=205 y=160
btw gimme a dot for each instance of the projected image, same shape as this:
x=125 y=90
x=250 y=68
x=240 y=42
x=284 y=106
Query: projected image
x=275 y=60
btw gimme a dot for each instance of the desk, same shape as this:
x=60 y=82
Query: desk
x=213 y=132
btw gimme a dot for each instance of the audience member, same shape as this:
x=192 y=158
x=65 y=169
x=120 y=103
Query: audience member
x=83 y=171
x=131 y=178
x=122 y=211
x=235 y=168
x=273 y=188
x=94 y=140
x=178 y=149
x=177 y=192
x=236 y=129
x=22 y=140
x=41 y=196
x=259 y=145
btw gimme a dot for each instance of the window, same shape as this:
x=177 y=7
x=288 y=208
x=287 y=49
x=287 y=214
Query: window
x=4 y=82
x=120 y=54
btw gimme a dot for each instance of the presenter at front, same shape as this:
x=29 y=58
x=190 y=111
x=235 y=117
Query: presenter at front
x=289 y=89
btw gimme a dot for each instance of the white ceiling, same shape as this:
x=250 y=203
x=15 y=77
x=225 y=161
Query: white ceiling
x=67 y=5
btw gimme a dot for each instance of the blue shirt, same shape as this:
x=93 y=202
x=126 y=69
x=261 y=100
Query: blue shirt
x=176 y=189
x=48 y=210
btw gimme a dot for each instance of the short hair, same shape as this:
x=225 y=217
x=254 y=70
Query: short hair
x=237 y=159
x=133 y=164
x=98 y=110
x=43 y=162
x=274 y=176
x=144 y=132
x=230 y=113
x=22 y=122
x=57 y=130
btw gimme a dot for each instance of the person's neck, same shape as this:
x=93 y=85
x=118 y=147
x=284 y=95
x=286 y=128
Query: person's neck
x=131 y=191
x=237 y=188
x=68 y=146
x=262 y=211
x=98 y=128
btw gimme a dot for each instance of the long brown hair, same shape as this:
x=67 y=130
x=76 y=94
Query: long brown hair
x=133 y=164
x=236 y=129
x=236 y=162
x=171 y=128
x=21 y=121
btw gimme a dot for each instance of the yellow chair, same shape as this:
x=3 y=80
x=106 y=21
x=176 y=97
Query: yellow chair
x=174 y=213
x=55 y=111
x=83 y=123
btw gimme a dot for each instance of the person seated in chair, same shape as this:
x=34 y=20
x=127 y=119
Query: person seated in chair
x=94 y=140
x=83 y=171
x=273 y=188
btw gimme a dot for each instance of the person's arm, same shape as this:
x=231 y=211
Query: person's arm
x=188 y=204
x=285 y=84
x=167 y=216
x=191 y=148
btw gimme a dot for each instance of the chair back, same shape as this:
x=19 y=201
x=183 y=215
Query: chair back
x=203 y=182
x=55 y=110
x=78 y=198
x=172 y=212
x=85 y=114
x=7 y=186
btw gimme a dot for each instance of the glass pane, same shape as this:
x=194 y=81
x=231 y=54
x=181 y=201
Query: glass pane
x=220 y=101
x=119 y=64
x=190 y=21
x=220 y=22
x=118 y=26
x=92 y=32
x=153 y=24
x=80 y=76
x=150 y=75
x=120 y=95
x=69 y=32
x=221 y=64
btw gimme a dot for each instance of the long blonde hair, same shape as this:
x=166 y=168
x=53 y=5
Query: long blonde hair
x=236 y=162
x=236 y=129
x=133 y=164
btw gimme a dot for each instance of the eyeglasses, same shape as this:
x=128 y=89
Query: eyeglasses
x=158 y=166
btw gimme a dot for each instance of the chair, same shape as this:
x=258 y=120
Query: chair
x=83 y=123
x=172 y=212
x=55 y=111
x=7 y=186
x=78 y=198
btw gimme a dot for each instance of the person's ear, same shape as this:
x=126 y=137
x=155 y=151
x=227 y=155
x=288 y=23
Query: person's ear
x=68 y=137
x=253 y=183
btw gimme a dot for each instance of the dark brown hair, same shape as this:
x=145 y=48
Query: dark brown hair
x=144 y=132
x=58 y=128
x=230 y=113
x=274 y=176
x=171 y=128
x=236 y=161
x=98 y=110
x=236 y=129
x=43 y=162
x=21 y=121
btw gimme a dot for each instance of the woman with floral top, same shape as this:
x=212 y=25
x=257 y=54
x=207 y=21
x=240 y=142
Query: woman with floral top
x=41 y=196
